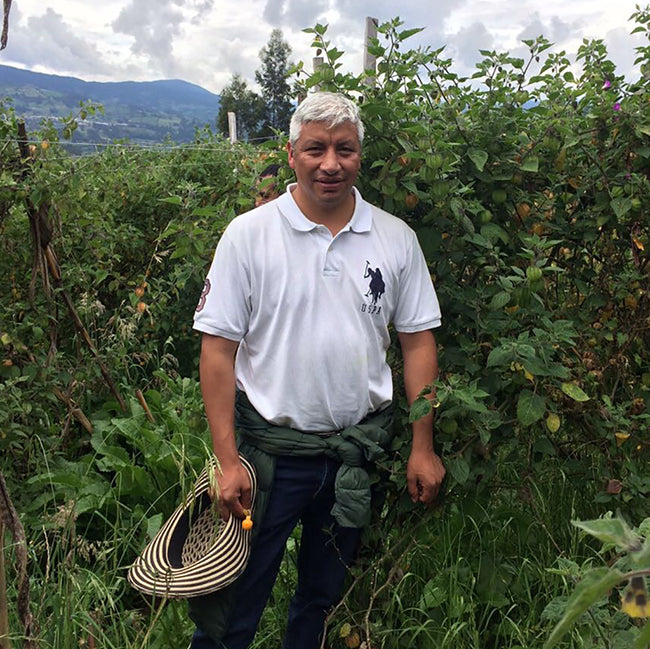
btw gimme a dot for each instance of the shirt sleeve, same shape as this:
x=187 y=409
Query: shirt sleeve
x=224 y=307
x=417 y=305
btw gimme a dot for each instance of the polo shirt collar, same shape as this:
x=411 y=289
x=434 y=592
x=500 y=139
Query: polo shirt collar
x=361 y=220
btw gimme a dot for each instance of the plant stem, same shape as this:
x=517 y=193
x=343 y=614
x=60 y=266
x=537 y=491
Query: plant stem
x=5 y=643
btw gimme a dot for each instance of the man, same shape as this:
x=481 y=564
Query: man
x=295 y=340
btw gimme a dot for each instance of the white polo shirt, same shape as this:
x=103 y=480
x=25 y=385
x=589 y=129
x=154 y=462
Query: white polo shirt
x=311 y=311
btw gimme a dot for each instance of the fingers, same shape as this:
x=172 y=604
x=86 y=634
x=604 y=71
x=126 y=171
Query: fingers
x=427 y=493
x=245 y=498
x=413 y=485
x=232 y=505
x=234 y=493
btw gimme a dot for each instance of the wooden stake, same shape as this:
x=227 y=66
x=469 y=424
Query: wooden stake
x=145 y=406
x=370 y=60
x=232 y=126
x=75 y=411
x=317 y=62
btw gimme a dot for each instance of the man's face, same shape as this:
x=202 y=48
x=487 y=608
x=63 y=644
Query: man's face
x=326 y=161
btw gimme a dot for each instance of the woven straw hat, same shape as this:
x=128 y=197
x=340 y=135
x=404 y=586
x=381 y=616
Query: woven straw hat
x=195 y=552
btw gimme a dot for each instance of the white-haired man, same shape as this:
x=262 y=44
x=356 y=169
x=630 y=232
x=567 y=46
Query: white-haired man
x=295 y=334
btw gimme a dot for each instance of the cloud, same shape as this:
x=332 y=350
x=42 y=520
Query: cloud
x=153 y=26
x=556 y=30
x=296 y=14
x=463 y=47
x=47 y=42
x=621 y=49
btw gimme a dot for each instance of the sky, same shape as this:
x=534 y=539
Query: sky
x=207 y=41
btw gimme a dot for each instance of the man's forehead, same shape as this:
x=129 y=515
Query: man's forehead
x=319 y=130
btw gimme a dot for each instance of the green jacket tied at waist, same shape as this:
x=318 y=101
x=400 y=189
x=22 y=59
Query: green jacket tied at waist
x=354 y=446
x=260 y=442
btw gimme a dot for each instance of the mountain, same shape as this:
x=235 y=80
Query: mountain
x=141 y=111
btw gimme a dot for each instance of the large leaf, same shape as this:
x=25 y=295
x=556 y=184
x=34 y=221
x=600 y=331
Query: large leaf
x=596 y=584
x=421 y=408
x=459 y=469
x=621 y=206
x=611 y=530
x=530 y=163
x=530 y=407
x=574 y=391
x=478 y=157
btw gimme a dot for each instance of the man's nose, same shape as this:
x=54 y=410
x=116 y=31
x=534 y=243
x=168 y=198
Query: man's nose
x=330 y=163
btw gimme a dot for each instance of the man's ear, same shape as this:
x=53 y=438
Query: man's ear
x=290 y=153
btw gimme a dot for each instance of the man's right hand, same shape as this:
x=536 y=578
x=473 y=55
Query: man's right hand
x=234 y=490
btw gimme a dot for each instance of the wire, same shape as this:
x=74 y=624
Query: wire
x=150 y=147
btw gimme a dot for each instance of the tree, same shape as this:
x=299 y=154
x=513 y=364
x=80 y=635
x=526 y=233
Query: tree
x=272 y=77
x=238 y=98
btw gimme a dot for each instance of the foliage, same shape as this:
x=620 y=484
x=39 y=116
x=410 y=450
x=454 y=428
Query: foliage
x=632 y=555
x=237 y=97
x=272 y=78
x=528 y=188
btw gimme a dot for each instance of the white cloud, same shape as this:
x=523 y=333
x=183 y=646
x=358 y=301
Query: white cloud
x=47 y=40
x=205 y=41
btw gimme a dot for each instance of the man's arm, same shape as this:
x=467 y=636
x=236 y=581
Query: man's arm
x=425 y=471
x=217 y=371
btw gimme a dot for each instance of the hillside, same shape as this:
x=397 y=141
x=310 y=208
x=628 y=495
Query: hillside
x=143 y=112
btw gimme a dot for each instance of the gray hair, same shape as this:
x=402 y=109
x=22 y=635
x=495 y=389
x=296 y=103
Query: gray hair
x=327 y=107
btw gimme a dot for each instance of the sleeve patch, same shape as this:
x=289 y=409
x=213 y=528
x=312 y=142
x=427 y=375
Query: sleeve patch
x=204 y=295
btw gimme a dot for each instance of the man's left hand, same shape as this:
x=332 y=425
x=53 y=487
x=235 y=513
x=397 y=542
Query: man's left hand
x=424 y=475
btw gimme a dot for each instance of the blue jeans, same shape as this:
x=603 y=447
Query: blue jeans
x=303 y=490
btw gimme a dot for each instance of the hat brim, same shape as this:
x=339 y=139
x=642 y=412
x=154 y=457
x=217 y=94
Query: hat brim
x=161 y=569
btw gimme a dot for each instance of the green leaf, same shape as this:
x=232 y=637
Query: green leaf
x=407 y=33
x=530 y=407
x=554 y=610
x=621 y=206
x=643 y=639
x=459 y=469
x=478 y=157
x=435 y=592
x=545 y=446
x=421 y=408
x=530 y=163
x=153 y=525
x=493 y=232
x=574 y=391
x=596 y=584
x=611 y=530
x=498 y=301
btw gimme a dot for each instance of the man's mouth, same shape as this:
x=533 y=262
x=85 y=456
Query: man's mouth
x=329 y=182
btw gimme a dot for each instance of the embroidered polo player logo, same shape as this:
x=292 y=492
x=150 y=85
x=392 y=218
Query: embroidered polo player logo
x=376 y=287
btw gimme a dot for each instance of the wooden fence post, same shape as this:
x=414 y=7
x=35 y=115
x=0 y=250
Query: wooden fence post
x=317 y=62
x=232 y=126
x=370 y=60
